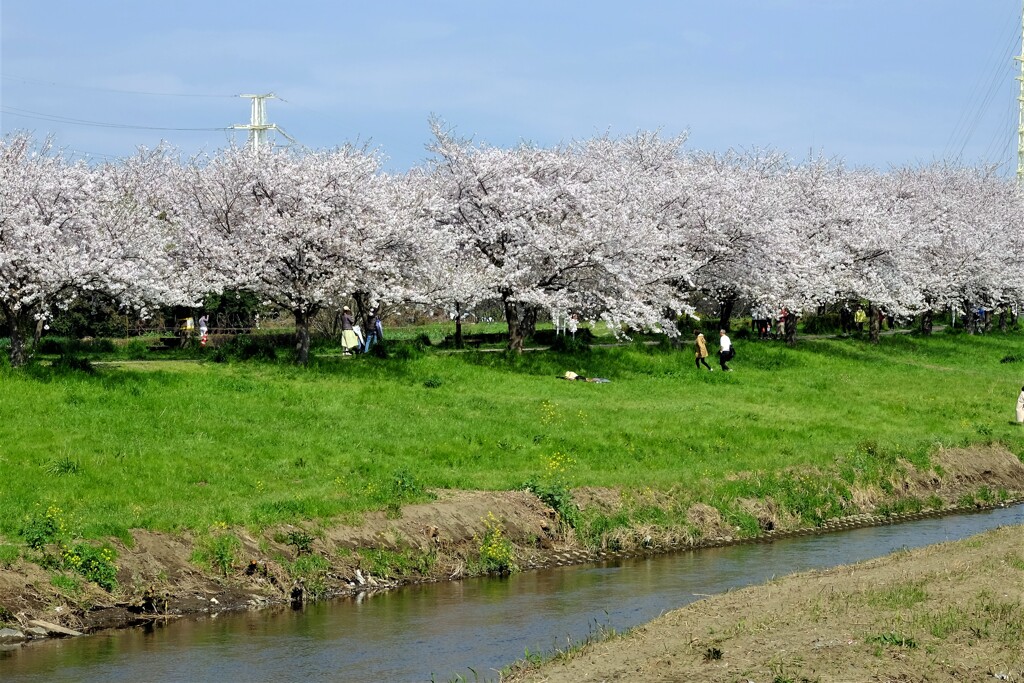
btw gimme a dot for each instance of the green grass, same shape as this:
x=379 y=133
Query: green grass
x=186 y=445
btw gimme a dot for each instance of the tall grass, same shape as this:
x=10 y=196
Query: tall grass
x=188 y=445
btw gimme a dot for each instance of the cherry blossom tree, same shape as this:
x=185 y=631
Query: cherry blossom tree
x=68 y=229
x=727 y=210
x=557 y=230
x=300 y=230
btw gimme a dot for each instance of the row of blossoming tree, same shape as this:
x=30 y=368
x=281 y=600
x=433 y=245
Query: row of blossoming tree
x=630 y=231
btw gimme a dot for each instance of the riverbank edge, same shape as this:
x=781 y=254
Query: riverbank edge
x=155 y=597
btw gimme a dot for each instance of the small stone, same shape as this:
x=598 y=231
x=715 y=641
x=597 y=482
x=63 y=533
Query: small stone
x=11 y=635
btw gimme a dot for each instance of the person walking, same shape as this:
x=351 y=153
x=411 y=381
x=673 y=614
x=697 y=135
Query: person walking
x=204 y=322
x=859 y=318
x=376 y=332
x=349 y=339
x=701 y=348
x=1020 y=407
x=725 y=351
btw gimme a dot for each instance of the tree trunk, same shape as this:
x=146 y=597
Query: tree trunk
x=725 y=316
x=459 y=341
x=19 y=324
x=926 y=322
x=522 y=321
x=301 y=336
x=874 y=324
x=790 y=328
x=1002 y=319
x=362 y=313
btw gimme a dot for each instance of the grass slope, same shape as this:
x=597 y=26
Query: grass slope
x=185 y=445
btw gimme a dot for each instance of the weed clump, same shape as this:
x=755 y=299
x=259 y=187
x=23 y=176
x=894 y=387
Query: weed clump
x=497 y=555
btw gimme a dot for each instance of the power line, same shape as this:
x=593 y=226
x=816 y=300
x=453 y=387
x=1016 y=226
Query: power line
x=28 y=114
x=972 y=114
x=52 y=84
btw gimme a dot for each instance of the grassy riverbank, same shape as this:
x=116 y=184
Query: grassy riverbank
x=188 y=445
x=949 y=612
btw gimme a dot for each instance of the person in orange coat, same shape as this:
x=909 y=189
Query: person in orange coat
x=701 y=347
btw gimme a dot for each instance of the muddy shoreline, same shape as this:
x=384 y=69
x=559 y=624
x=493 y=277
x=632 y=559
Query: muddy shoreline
x=159 y=579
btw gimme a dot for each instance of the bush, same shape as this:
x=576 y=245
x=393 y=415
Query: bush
x=400 y=350
x=136 y=349
x=822 y=324
x=496 y=553
x=247 y=347
x=71 y=363
x=583 y=337
x=95 y=564
x=52 y=346
x=565 y=343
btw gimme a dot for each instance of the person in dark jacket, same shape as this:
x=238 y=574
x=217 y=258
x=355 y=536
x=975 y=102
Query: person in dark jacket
x=375 y=333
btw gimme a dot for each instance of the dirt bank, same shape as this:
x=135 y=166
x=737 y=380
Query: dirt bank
x=950 y=612
x=163 y=576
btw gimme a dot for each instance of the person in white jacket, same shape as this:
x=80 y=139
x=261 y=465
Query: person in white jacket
x=1020 y=406
x=724 y=351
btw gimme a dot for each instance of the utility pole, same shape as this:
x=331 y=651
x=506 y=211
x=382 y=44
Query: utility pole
x=258 y=125
x=1020 y=115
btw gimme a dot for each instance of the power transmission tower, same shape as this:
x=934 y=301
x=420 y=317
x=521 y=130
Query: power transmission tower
x=1020 y=115
x=258 y=125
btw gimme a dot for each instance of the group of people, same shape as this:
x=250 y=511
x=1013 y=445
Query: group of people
x=725 y=351
x=764 y=326
x=352 y=338
x=860 y=319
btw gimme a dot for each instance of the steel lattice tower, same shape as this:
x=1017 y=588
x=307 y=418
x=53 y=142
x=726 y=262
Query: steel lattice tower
x=258 y=125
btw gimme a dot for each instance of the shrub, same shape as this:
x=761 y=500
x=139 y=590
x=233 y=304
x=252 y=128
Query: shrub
x=301 y=540
x=552 y=487
x=95 y=564
x=742 y=333
x=399 y=350
x=822 y=324
x=44 y=528
x=136 y=349
x=565 y=343
x=52 y=346
x=496 y=553
x=247 y=347
x=70 y=363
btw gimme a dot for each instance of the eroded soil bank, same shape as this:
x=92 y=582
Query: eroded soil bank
x=159 y=576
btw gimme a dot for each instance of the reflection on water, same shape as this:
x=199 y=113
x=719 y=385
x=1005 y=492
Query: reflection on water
x=442 y=630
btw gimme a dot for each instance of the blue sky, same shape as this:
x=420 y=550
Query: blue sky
x=874 y=82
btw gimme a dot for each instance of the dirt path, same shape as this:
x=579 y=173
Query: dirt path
x=949 y=612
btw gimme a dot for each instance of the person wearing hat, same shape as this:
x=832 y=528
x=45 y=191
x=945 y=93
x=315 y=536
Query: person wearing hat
x=349 y=340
